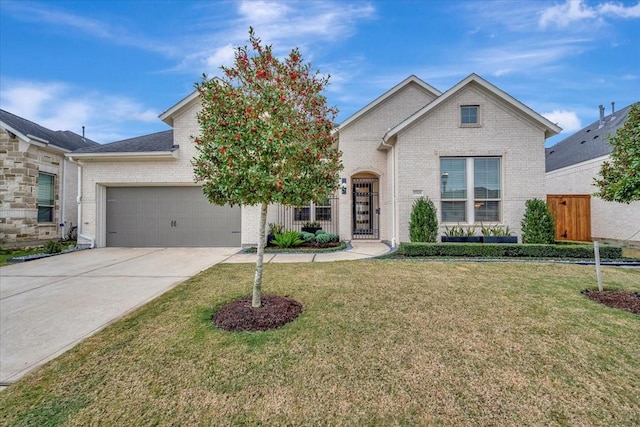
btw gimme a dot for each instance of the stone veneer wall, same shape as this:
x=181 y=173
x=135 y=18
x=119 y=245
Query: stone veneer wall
x=20 y=163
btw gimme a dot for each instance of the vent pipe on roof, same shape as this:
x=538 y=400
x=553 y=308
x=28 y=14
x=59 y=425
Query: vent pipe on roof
x=613 y=107
x=82 y=132
x=601 y=114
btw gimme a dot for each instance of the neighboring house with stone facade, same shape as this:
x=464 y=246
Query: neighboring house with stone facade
x=38 y=185
x=474 y=150
x=571 y=167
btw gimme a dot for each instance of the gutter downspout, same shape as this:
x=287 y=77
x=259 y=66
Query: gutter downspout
x=79 y=201
x=63 y=222
x=393 y=188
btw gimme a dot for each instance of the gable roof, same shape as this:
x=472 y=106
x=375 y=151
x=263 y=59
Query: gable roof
x=588 y=143
x=40 y=135
x=168 y=115
x=155 y=145
x=550 y=128
x=379 y=100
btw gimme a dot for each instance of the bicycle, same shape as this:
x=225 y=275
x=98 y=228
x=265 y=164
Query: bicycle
x=72 y=234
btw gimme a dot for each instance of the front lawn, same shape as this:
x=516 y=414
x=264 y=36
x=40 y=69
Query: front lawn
x=378 y=343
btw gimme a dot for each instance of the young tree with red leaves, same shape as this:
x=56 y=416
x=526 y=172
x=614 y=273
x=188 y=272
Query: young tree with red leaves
x=266 y=136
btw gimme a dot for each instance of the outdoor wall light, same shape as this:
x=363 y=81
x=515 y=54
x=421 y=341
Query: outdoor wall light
x=343 y=186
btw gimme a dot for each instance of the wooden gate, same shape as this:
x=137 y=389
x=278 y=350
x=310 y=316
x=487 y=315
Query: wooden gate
x=573 y=216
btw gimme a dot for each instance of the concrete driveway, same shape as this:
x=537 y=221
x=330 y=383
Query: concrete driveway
x=47 y=306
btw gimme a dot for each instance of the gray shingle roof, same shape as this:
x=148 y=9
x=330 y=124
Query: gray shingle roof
x=64 y=139
x=160 y=141
x=586 y=144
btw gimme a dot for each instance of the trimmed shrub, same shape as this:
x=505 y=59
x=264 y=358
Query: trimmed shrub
x=423 y=225
x=52 y=247
x=308 y=237
x=321 y=231
x=326 y=238
x=506 y=250
x=538 y=224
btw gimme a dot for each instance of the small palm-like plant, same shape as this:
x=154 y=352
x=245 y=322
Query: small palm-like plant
x=287 y=239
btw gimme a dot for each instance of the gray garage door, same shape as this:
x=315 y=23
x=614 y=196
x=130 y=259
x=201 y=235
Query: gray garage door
x=168 y=217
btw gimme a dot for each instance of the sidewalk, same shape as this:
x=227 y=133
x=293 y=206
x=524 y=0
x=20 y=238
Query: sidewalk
x=357 y=250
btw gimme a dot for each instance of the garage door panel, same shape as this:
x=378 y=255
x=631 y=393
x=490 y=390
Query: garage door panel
x=168 y=216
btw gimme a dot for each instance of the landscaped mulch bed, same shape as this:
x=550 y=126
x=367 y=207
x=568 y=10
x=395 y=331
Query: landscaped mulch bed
x=628 y=301
x=274 y=312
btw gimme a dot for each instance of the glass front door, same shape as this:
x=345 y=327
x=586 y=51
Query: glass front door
x=366 y=211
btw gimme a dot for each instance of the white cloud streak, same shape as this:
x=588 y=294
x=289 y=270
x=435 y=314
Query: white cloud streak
x=47 y=14
x=56 y=106
x=574 y=11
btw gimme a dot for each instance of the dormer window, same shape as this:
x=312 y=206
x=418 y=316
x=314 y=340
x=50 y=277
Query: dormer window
x=469 y=115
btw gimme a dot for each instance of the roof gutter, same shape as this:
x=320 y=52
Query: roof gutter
x=143 y=155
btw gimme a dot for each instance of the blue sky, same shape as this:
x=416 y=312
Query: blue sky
x=114 y=66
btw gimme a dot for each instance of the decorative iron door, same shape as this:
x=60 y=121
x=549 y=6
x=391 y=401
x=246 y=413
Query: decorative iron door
x=366 y=210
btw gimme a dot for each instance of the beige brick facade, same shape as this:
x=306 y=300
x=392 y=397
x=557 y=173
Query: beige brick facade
x=411 y=168
x=98 y=174
x=405 y=164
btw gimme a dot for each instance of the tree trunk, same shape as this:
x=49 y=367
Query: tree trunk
x=257 y=282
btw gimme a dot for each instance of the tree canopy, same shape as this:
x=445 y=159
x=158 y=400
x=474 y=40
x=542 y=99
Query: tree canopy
x=266 y=136
x=266 y=132
x=619 y=177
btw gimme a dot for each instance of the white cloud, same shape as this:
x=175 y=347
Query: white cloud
x=57 y=106
x=567 y=120
x=616 y=9
x=221 y=56
x=573 y=11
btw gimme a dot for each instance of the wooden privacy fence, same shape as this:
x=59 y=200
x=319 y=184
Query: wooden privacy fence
x=573 y=216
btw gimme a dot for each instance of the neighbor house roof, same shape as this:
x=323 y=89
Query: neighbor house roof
x=550 y=128
x=40 y=135
x=409 y=80
x=155 y=145
x=586 y=144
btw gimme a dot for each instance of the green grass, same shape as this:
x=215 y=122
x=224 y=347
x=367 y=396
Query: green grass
x=631 y=253
x=378 y=343
x=6 y=254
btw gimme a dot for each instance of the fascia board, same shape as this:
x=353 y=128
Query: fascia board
x=167 y=116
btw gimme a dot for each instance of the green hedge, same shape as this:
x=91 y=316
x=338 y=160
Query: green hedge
x=505 y=250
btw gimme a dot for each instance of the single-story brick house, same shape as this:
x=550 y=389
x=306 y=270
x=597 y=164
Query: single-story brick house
x=477 y=152
x=571 y=166
x=38 y=185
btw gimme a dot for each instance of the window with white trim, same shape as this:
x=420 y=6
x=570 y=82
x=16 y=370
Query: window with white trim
x=470 y=115
x=314 y=212
x=470 y=189
x=46 y=197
